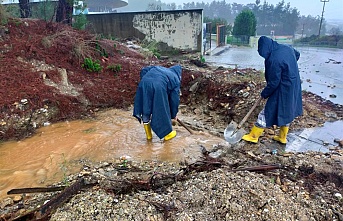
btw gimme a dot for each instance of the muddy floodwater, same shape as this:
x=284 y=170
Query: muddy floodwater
x=63 y=148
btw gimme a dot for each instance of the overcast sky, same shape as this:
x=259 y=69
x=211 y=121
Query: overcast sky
x=333 y=8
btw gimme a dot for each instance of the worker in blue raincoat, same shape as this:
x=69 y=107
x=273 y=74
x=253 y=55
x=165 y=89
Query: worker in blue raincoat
x=283 y=89
x=157 y=100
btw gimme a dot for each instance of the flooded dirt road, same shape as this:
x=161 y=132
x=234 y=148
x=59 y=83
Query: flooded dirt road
x=60 y=149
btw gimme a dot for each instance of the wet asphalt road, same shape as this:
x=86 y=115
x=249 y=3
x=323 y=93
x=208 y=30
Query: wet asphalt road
x=321 y=69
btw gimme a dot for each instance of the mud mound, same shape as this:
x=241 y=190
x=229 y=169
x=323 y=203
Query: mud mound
x=42 y=69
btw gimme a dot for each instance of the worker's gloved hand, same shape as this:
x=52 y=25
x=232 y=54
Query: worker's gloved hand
x=174 y=121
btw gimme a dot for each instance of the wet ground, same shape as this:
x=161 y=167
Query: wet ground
x=320 y=68
x=321 y=72
x=315 y=139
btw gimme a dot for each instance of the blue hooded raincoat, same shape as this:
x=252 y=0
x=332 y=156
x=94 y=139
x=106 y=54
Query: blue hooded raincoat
x=158 y=97
x=283 y=89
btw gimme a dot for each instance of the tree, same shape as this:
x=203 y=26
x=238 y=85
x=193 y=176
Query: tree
x=171 y=6
x=64 y=12
x=308 y=26
x=79 y=18
x=245 y=24
x=336 y=34
x=154 y=7
x=335 y=31
x=45 y=10
x=25 y=10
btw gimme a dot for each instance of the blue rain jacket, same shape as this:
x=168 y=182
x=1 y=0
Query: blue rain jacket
x=158 y=97
x=283 y=89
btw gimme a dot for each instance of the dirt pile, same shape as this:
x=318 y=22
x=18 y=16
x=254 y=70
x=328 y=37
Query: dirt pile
x=41 y=71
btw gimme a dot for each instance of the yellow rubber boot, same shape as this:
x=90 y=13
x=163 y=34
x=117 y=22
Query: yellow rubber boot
x=171 y=135
x=148 y=133
x=282 y=138
x=254 y=134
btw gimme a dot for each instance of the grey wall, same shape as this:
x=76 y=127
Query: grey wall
x=180 y=29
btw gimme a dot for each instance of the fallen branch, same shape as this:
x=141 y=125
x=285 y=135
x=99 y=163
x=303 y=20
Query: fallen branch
x=36 y=190
x=260 y=168
x=44 y=212
x=159 y=180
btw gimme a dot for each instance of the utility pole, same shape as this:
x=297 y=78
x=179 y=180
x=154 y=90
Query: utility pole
x=321 y=20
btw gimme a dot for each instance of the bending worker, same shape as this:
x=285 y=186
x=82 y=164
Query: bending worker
x=283 y=89
x=157 y=100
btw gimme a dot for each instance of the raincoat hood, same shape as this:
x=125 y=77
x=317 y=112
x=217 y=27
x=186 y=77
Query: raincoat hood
x=177 y=69
x=266 y=46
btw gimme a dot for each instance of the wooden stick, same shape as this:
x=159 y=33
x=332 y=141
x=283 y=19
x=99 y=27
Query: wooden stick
x=260 y=168
x=59 y=199
x=189 y=130
x=250 y=111
x=35 y=190
x=44 y=212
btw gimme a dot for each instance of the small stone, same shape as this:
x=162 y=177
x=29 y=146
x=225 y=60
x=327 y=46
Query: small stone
x=337 y=158
x=278 y=180
x=340 y=142
x=333 y=148
x=245 y=94
x=217 y=154
x=17 y=198
x=287 y=154
x=194 y=87
x=6 y=202
x=270 y=132
x=23 y=101
x=331 y=114
x=338 y=195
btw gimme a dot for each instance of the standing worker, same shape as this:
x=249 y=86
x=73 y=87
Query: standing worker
x=283 y=89
x=157 y=100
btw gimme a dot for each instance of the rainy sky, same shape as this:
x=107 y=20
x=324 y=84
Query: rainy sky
x=333 y=8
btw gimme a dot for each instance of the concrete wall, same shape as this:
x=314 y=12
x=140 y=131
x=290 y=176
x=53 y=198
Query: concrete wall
x=280 y=39
x=180 y=29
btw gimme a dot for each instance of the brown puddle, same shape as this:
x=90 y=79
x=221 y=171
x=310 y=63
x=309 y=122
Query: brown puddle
x=59 y=149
